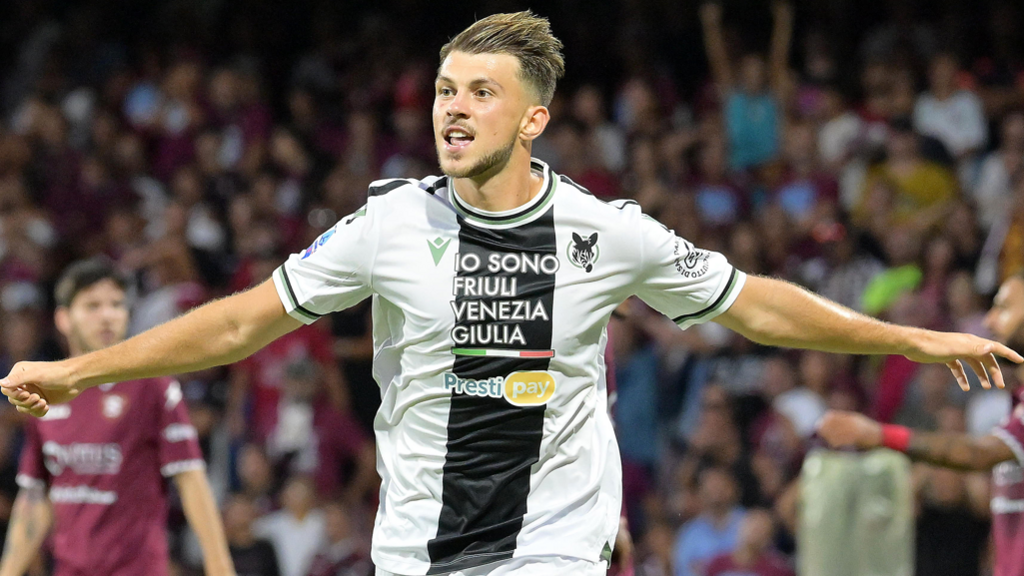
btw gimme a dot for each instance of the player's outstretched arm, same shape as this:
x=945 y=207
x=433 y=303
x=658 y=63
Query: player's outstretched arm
x=949 y=450
x=31 y=518
x=782 y=35
x=201 y=511
x=714 y=45
x=776 y=313
x=221 y=332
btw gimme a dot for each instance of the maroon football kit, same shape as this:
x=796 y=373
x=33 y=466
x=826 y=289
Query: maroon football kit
x=1008 y=496
x=105 y=458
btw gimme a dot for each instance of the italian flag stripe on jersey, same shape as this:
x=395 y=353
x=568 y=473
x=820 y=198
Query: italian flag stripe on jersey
x=503 y=353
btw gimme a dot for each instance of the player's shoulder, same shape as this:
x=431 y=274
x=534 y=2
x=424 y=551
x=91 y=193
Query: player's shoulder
x=580 y=200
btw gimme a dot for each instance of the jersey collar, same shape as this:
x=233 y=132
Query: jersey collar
x=516 y=216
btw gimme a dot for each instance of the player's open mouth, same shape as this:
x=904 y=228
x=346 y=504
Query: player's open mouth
x=457 y=138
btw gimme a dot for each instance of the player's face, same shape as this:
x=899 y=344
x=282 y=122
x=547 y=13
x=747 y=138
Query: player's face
x=96 y=318
x=1006 y=318
x=480 y=109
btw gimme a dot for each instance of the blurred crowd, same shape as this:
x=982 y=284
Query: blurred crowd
x=872 y=154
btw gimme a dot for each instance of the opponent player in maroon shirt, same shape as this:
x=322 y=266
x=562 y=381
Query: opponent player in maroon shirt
x=95 y=468
x=1002 y=450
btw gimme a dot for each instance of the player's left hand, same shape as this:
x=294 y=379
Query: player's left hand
x=954 y=350
x=33 y=386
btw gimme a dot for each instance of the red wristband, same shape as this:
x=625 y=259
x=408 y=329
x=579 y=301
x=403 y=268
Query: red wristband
x=896 y=437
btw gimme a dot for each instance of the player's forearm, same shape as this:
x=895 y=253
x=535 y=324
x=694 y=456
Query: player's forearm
x=958 y=451
x=221 y=332
x=201 y=511
x=30 y=522
x=777 y=313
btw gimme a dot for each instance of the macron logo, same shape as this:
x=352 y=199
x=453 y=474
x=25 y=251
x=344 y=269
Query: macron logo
x=438 y=246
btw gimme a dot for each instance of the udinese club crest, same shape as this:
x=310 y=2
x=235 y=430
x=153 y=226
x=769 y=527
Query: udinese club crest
x=583 y=252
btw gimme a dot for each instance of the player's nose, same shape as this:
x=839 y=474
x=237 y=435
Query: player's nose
x=457 y=107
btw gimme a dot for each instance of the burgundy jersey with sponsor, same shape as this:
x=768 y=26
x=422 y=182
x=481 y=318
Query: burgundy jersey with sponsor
x=1008 y=496
x=104 y=458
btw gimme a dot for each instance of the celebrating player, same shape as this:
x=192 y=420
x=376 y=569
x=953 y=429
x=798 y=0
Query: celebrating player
x=1002 y=451
x=94 y=468
x=492 y=287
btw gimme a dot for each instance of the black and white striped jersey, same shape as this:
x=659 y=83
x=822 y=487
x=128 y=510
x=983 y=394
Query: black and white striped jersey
x=489 y=330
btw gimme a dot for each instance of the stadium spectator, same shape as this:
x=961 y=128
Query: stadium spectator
x=715 y=530
x=914 y=191
x=754 y=555
x=948 y=113
x=252 y=556
x=343 y=552
x=753 y=93
x=992 y=190
x=297 y=530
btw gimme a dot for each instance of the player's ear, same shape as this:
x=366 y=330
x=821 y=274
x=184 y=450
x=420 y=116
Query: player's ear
x=534 y=122
x=62 y=320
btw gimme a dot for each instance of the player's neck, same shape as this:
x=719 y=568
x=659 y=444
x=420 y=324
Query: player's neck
x=512 y=186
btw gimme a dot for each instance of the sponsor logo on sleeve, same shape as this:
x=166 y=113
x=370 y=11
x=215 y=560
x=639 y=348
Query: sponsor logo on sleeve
x=694 y=263
x=318 y=243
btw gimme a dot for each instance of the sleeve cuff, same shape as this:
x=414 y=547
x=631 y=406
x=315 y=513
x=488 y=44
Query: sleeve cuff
x=733 y=286
x=28 y=482
x=291 y=303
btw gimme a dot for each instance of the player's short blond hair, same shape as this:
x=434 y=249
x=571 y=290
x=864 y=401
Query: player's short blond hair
x=523 y=35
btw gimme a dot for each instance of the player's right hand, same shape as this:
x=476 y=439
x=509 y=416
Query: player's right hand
x=33 y=386
x=849 y=429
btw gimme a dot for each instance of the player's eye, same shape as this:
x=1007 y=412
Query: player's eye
x=483 y=93
x=445 y=91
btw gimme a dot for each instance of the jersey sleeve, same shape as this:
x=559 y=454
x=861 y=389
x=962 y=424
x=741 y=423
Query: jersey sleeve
x=683 y=282
x=333 y=273
x=31 y=466
x=1011 y=432
x=178 y=440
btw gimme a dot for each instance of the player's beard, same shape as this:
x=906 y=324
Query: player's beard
x=494 y=159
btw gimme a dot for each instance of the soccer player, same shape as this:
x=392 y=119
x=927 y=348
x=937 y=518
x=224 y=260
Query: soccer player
x=491 y=289
x=94 y=468
x=1001 y=451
